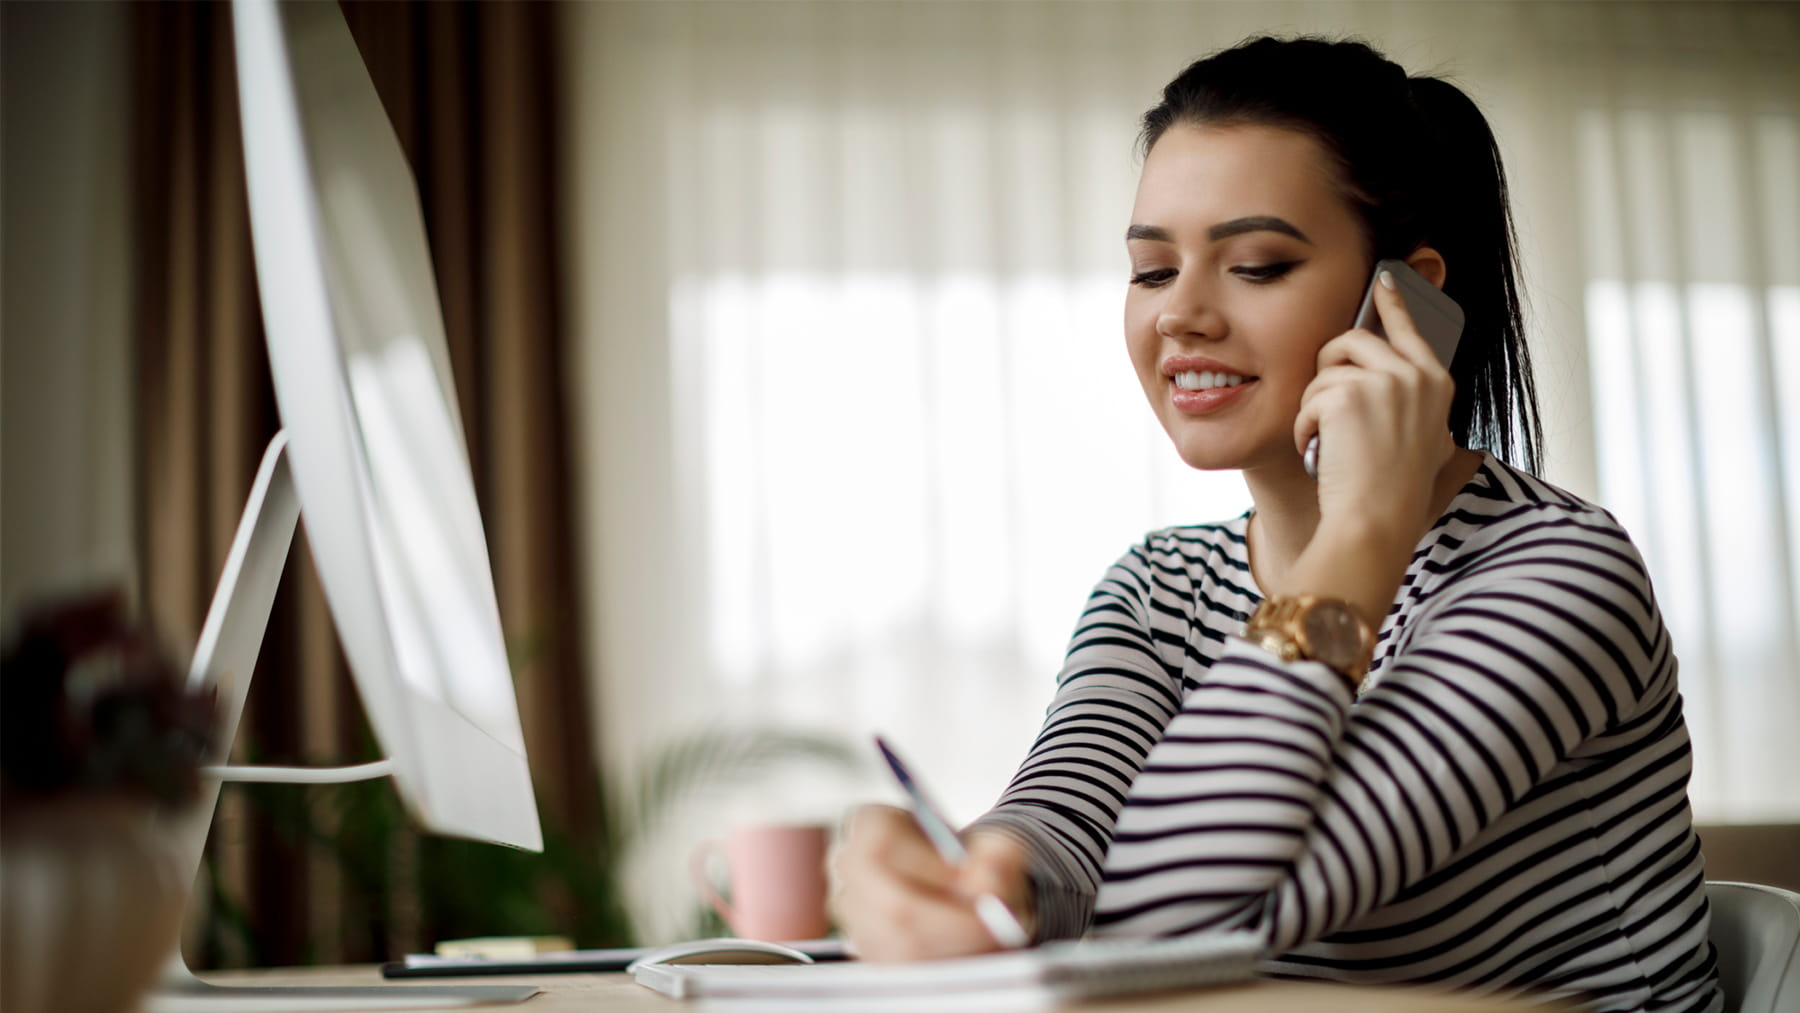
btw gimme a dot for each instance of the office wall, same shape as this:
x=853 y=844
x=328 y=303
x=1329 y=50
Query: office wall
x=65 y=391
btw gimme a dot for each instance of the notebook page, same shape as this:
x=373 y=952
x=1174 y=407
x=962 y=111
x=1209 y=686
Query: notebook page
x=1057 y=970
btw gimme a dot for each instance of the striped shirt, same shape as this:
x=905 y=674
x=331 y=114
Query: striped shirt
x=1502 y=809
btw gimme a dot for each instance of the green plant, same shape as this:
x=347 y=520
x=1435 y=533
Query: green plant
x=446 y=889
x=588 y=874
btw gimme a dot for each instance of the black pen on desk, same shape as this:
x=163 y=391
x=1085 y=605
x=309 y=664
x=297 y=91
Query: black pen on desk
x=993 y=912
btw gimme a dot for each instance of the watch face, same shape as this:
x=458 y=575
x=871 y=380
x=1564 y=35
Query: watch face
x=1333 y=634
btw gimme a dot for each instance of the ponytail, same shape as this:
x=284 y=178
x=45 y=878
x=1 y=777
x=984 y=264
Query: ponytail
x=1469 y=220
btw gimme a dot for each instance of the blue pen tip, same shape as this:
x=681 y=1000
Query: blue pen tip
x=893 y=762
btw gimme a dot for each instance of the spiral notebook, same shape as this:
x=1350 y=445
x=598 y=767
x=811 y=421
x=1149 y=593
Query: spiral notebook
x=1053 y=972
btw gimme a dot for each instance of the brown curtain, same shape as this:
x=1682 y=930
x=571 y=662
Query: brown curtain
x=471 y=91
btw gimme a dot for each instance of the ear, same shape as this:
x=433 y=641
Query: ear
x=1430 y=265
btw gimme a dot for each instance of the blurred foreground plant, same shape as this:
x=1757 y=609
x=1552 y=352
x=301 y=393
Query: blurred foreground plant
x=447 y=888
x=98 y=740
x=88 y=705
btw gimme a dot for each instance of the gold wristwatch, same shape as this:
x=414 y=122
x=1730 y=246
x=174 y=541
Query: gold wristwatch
x=1305 y=626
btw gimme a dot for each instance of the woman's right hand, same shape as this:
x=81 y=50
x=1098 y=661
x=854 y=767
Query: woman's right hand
x=897 y=899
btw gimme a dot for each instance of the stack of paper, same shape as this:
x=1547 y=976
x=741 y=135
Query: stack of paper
x=1017 y=979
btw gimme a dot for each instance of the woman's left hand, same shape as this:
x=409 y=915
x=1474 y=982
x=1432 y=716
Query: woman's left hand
x=1386 y=407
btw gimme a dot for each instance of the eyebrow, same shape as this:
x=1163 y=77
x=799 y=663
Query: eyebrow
x=1223 y=230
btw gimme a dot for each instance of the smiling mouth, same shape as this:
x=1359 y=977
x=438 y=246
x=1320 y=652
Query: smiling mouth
x=1209 y=380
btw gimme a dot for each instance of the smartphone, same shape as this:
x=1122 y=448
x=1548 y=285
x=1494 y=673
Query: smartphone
x=1438 y=318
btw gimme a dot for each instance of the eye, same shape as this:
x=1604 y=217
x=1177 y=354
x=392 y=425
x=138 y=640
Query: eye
x=1153 y=279
x=1262 y=274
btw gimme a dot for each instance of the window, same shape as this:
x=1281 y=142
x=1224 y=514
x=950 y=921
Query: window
x=861 y=429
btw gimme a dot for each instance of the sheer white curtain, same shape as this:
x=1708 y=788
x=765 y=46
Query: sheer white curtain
x=1690 y=201
x=858 y=430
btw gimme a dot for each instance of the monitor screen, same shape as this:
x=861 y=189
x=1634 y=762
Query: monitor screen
x=379 y=460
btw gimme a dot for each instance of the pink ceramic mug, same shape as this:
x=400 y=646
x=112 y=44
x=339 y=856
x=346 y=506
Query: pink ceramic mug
x=775 y=878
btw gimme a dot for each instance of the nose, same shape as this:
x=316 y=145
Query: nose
x=1189 y=312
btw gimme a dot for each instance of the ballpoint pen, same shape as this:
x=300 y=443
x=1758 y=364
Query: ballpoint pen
x=992 y=911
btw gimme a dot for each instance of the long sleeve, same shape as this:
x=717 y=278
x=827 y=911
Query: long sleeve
x=1505 y=806
x=1122 y=681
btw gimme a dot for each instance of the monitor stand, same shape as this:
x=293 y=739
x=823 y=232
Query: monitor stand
x=224 y=659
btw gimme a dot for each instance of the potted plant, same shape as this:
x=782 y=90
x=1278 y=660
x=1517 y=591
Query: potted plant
x=98 y=738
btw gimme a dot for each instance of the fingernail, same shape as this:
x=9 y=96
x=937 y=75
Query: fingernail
x=1387 y=280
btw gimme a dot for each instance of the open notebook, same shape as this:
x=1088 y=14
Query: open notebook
x=1020 y=978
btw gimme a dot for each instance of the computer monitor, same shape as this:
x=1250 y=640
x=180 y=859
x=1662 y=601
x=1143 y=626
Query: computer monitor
x=372 y=456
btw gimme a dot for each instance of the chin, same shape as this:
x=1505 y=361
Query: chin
x=1209 y=458
x=1209 y=464
x=1211 y=443
x=1202 y=453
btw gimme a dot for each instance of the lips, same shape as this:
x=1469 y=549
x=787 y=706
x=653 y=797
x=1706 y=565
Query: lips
x=1198 y=386
x=1202 y=402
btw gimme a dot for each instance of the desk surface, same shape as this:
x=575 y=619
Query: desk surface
x=617 y=993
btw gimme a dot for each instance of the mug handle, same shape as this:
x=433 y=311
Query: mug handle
x=699 y=862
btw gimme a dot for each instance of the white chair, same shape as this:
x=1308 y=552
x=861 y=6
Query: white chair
x=1756 y=931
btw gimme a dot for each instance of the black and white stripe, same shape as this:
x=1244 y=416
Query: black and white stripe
x=1504 y=809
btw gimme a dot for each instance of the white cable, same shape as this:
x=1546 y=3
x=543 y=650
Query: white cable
x=302 y=775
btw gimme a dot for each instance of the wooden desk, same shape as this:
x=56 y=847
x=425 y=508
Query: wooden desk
x=617 y=993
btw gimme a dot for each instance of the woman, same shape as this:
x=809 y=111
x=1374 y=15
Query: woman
x=1414 y=720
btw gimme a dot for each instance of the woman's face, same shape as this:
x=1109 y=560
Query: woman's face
x=1245 y=260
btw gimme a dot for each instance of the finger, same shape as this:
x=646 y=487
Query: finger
x=1312 y=409
x=878 y=907
x=1361 y=348
x=1347 y=374
x=891 y=918
x=889 y=838
x=998 y=866
x=1397 y=320
x=1345 y=390
x=1329 y=379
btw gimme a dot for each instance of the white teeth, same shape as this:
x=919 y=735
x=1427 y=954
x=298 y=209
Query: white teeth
x=1206 y=380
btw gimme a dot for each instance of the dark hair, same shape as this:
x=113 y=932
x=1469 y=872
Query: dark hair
x=1421 y=168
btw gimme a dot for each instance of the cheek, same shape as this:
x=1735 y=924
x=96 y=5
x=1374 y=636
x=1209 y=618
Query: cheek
x=1302 y=334
x=1141 y=340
